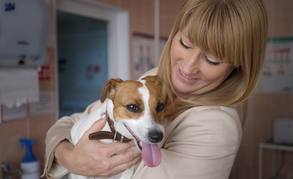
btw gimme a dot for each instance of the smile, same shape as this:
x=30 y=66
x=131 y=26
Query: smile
x=186 y=75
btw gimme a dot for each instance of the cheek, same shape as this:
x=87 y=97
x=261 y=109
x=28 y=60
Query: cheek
x=213 y=74
x=172 y=54
x=175 y=52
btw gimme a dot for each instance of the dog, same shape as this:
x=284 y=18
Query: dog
x=135 y=111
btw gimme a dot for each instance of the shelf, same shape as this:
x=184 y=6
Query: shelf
x=272 y=146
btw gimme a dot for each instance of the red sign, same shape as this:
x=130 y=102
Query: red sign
x=92 y=70
x=44 y=73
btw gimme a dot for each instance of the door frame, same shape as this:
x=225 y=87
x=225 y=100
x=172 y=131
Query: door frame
x=118 y=25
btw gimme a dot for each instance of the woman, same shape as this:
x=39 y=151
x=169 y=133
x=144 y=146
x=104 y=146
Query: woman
x=211 y=64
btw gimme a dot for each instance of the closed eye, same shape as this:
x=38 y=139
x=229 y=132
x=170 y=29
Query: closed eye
x=211 y=62
x=183 y=44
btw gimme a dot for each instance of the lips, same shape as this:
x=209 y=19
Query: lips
x=188 y=77
x=151 y=154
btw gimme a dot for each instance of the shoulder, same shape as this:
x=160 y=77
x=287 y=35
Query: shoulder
x=211 y=114
x=219 y=120
x=215 y=124
x=151 y=72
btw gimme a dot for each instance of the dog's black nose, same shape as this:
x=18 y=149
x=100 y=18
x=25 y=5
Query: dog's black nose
x=155 y=136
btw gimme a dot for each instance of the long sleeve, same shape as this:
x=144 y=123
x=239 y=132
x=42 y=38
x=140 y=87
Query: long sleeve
x=200 y=143
x=58 y=132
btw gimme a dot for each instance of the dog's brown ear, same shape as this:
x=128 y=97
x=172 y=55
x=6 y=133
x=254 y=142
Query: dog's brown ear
x=110 y=86
x=155 y=79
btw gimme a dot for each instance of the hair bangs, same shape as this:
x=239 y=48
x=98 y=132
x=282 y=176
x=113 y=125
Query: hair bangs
x=213 y=27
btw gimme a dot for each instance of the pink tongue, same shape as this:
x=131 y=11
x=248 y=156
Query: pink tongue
x=151 y=154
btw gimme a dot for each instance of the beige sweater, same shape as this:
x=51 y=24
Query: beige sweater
x=200 y=143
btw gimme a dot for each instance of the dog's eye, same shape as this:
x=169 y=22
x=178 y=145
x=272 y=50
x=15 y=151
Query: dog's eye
x=132 y=108
x=160 y=107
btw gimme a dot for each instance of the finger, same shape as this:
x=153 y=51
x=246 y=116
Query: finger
x=97 y=126
x=118 y=147
x=126 y=157
x=127 y=160
x=121 y=166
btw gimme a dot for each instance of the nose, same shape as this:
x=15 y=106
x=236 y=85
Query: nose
x=191 y=63
x=155 y=136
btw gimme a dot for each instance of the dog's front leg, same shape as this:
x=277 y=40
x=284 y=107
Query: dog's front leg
x=128 y=174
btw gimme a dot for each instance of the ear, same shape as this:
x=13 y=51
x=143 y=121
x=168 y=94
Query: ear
x=110 y=85
x=155 y=79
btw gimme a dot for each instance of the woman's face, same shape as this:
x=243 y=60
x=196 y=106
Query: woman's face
x=194 y=72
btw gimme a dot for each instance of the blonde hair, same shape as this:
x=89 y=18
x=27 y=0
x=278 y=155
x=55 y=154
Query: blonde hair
x=232 y=30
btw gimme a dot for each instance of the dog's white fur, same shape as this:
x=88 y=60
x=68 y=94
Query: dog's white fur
x=139 y=126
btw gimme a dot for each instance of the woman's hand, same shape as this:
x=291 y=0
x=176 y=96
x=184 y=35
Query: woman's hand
x=95 y=159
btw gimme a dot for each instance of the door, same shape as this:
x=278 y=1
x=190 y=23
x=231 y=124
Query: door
x=90 y=50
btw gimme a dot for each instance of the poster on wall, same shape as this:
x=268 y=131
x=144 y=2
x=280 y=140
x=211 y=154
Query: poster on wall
x=143 y=53
x=277 y=72
x=13 y=113
x=44 y=106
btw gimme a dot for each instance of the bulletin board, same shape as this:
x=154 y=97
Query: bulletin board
x=277 y=72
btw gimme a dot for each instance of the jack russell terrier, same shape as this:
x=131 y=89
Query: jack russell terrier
x=135 y=110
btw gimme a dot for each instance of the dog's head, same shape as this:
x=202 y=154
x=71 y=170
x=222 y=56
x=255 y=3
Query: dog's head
x=138 y=111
